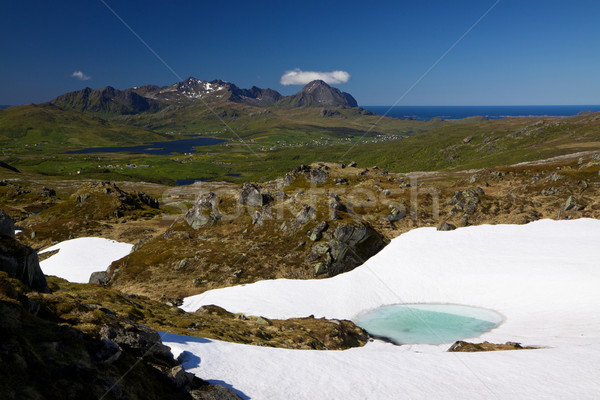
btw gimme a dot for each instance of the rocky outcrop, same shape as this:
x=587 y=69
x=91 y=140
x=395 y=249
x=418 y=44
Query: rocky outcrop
x=574 y=204
x=467 y=347
x=445 y=227
x=41 y=358
x=317 y=175
x=139 y=340
x=204 y=211
x=305 y=215
x=101 y=278
x=22 y=262
x=352 y=244
x=147 y=200
x=465 y=201
x=396 y=213
x=7 y=225
x=251 y=195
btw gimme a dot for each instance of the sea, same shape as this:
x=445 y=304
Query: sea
x=425 y=113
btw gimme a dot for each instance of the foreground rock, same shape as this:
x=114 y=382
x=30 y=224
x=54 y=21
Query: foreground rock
x=19 y=261
x=111 y=359
x=460 y=346
x=7 y=225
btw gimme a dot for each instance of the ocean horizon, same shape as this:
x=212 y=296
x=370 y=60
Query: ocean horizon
x=425 y=113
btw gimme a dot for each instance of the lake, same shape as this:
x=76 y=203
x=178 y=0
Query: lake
x=174 y=146
x=428 y=323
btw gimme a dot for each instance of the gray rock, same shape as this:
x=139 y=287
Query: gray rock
x=317 y=251
x=320 y=268
x=203 y=212
x=317 y=175
x=47 y=192
x=317 y=232
x=287 y=180
x=214 y=392
x=180 y=377
x=182 y=264
x=572 y=204
x=251 y=195
x=351 y=245
x=263 y=321
x=336 y=205
x=21 y=262
x=396 y=214
x=82 y=197
x=350 y=233
x=139 y=339
x=353 y=164
x=101 y=278
x=445 y=226
x=109 y=352
x=7 y=225
x=147 y=200
x=305 y=215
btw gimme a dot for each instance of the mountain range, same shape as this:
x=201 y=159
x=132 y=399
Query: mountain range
x=152 y=98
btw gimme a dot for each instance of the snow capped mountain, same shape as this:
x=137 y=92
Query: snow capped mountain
x=152 y=98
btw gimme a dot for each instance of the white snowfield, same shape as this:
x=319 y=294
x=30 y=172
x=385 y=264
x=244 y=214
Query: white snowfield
x=78 y=258
x=544 y=278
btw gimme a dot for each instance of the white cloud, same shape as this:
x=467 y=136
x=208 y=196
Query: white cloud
x=299 y=77
x=81 y=76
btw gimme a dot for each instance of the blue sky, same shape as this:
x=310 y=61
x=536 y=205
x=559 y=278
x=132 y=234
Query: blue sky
x=523 y=52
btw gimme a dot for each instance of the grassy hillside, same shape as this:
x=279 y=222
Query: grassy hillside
x=48 y=127
x=263 y=143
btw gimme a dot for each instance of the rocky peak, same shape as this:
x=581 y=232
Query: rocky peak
x=319 y=93
x=315 y=85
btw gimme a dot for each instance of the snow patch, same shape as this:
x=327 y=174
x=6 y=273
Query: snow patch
x=78 y=258
x=542 y=277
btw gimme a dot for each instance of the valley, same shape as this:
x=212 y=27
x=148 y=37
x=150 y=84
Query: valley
x=303 y=190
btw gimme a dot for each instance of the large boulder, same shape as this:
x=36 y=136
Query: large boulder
x=101 y=278
x=22 y=262
x=139 y=340
x=352 y=244
x=204 y=211
x=251 y=195
x=316 y=233
x=318 y=175
x=305 y=215
x=7 y=225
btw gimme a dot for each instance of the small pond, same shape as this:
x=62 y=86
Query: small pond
x=427 y=323
x=174 y=146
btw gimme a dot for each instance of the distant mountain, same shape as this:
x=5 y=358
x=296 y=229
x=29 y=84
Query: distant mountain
x=107 y=101
x=152 y=98
x=193 y=89
x=318 y=93
x=4 y=106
